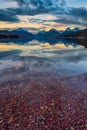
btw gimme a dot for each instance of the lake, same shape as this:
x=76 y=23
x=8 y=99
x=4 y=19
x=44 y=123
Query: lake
x=62 y=57
x=45 y=80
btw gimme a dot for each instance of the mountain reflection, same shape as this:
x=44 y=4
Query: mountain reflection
x=35 y=48
x=50 y=40
x=61 y=57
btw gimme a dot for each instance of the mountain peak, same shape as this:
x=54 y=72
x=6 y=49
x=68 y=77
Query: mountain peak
x=68 y=29
x=19 y=29
x=52 y=30
x=76 y=29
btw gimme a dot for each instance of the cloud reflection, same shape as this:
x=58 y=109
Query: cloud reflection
x=37 y=56
x=36 y=48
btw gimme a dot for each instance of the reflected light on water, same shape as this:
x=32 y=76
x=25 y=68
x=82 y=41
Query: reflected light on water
x=37 y=56
x=36 y=48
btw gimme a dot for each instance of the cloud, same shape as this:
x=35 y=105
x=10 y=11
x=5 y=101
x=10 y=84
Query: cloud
x=65 y=15
x=71 y=21
x=8 y=4
x=73 y=16
x=34 y=7
x=6 y=15
x=31 y=8
x=78 y=12
x=41 y=4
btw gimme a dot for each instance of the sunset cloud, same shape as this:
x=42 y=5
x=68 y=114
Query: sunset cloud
x=43 y=12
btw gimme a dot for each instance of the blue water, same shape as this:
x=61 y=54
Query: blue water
x=62 y=58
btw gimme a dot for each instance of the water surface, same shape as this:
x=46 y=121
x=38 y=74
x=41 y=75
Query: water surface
x=43 y=85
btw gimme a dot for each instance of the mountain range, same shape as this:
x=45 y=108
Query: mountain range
x=21 y=33
x=18 y=33
x=80 y=34
x=53 y=36
x=54 y=32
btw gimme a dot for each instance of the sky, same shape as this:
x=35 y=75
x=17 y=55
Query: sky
x=38 y=15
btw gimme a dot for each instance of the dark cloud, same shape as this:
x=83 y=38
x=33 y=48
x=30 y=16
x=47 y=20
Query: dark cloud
x=64 y=15
x=78 y=12
x=71 y=21
x=41 y=4
x=8 y=16
x=31 y=7
x=67 y=19
x=75 y=16
x=34 y=7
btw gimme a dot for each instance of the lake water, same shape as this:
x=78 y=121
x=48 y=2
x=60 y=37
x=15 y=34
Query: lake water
x=61 y=57
x=43 y=85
